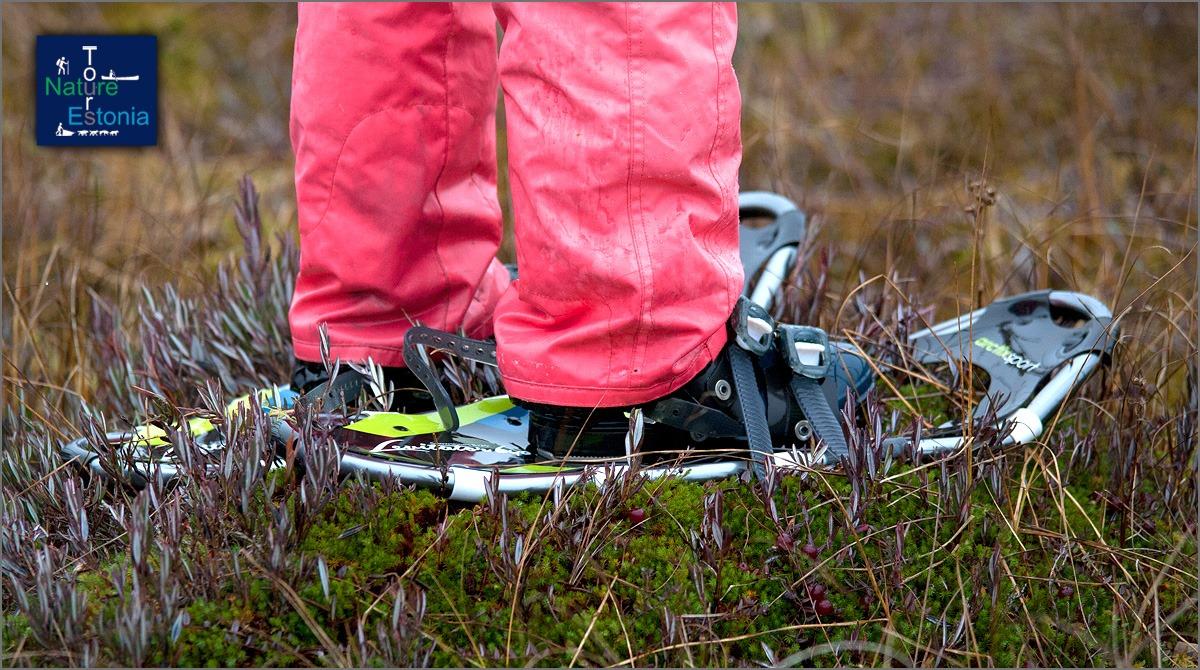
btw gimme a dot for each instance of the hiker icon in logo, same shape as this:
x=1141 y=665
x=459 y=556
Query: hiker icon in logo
x=64 y=65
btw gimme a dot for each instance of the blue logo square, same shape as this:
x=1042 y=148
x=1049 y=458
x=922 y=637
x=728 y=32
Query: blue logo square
x=97 y=90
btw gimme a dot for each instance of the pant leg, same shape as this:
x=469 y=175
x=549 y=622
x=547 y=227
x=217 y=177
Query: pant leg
x=393 y=127
x=624 y=146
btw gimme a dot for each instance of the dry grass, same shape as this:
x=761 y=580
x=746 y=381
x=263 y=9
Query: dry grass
x=952 y=154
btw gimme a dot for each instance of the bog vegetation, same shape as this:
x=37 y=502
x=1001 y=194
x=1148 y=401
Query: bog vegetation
x=950 y=155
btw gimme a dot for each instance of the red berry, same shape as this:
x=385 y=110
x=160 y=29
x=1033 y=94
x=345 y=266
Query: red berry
x=636 y=515
x=825 y=608
x=862 y=529
x=1065 y=591
x=784 y=541
x=810 y=550
x=816 y=591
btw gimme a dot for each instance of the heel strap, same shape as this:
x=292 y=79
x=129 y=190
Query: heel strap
x=417 y=342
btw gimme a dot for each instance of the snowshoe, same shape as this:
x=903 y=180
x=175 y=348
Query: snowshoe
x=780 y=395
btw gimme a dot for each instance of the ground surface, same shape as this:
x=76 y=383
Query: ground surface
x=951 y=155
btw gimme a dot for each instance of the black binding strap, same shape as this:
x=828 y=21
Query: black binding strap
x=806 y=350
x=825 y=423
x=330 y=395
x=700 y=421
x=416 y=356
x=754 y=414
x=753 y=331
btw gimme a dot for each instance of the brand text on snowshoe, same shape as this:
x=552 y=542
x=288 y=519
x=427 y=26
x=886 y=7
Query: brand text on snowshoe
x=399 y=445
x=1005 y=352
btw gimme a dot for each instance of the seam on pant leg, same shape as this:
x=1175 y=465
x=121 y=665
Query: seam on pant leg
x=724 y=216
x=637 y=223
x=437 y=238
x=705 y=234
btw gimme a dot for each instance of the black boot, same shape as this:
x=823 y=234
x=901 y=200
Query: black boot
x=312 y=381
x=706 y=413
x=701 y=414
x=577 y=433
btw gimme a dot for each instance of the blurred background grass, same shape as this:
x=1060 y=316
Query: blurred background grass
x=876 y=117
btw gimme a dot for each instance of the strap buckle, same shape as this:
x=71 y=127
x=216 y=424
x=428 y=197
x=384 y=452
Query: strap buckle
x=806 y=349
x=752 y=326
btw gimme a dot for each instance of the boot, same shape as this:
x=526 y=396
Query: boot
x=706 y=413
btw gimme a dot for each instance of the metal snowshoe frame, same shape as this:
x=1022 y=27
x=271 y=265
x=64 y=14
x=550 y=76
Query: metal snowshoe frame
x=1072 y=334
x=1035 y=348
x=1067 y=334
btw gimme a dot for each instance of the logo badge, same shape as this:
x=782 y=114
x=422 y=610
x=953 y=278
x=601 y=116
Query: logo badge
x=97 y=90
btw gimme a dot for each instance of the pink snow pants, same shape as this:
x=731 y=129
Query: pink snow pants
x=624 y=143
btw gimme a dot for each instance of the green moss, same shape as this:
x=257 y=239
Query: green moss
x=928 y=400
x=14 y=629
x=207 y=641
x=384 y=538
x=584 y=574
